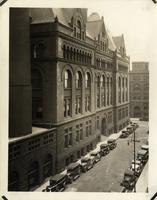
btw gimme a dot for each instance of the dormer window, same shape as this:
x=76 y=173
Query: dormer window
x=78 y=29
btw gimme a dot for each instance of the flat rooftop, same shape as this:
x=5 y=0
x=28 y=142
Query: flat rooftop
x=35 y=131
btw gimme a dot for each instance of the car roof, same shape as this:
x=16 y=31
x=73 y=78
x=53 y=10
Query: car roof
x=142 y=152
x=145 y=147
x=95 y=152
x=85 y=158
x=111 y=140
x=57 y=177
x=103 y=145
x=73 y=165
x=129 y=172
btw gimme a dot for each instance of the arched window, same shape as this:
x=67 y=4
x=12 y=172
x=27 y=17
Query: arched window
x=98 y=81
x=126 y=83
x=71 y=53
x=123 y=82
x=119 y=82
x=103 y=91
x=80 y=56
x=83 y=56
x=37 y=94
x=64 y=51
x=119 y=92
x=103 y=46
x=47 y=166
x=68 y=52
x=33 y=175
x=85 y=59
x=77 y=55
x=74 y=54
x=74 y=31
x=108 y=95
x=111 y=90
x=78 y=29
x=88 y=80
x=67 y=93
x=78 y=80
x=38 y=50
x=67 y=79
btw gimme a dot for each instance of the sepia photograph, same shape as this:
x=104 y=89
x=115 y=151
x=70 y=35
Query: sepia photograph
x=78 y=97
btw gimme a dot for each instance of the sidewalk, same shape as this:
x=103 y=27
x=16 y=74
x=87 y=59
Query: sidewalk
x=142 y=183
x=103 y=140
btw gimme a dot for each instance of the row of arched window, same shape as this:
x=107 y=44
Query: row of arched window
x=104 y=92
x=122 y=89
x=76 y=55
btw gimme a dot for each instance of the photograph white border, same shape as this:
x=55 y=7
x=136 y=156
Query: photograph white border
x=4 y=96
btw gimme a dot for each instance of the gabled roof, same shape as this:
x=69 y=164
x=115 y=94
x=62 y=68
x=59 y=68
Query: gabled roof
x=64 y=15
x=40 y=15
x=95 y=26
x=111 y=43
x=119 y=41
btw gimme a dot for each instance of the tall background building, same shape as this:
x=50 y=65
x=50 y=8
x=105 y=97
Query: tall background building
x=68 y=87
x=139 y=90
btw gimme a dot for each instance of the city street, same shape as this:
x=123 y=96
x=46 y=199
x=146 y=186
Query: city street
x=107 y=174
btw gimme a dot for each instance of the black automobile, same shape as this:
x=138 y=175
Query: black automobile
x=104 y=149
x=57 y=183
x=73 y=171
x=96 y=155
x=112 y=143
x=130 y=129
x=129 y=179
x=142 y=155
x=124 y=134
x=86 y=163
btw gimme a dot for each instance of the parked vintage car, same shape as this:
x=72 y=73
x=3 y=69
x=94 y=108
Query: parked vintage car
x=130 y=129
x=86 y=163
x=105 y=149
x=57 y=183
x=145 y=147
x=136 y=167
x=124 y=134
x=129 y=179
x=112 y=143
x=73 y=171
x=142 y=155
x=96 y=155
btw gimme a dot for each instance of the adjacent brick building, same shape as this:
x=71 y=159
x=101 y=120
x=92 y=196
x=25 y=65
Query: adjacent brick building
x=139 y=90
x=71 y=86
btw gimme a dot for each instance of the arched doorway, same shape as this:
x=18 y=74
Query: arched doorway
x=33 y=175
x=47 y=166
x=137 y=112
x=104 y=127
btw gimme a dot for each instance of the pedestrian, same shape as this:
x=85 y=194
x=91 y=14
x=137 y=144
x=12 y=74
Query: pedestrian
x=128 y=142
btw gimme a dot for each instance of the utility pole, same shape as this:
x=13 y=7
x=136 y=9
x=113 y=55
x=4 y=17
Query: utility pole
x=134 y=140
x=134 y=163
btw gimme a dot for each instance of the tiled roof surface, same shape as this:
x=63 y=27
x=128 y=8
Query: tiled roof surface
x=119 y=41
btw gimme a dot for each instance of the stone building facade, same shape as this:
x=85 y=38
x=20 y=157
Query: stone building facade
x=139 y=90
x=77 y=90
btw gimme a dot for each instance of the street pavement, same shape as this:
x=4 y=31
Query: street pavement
x=107 y=174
